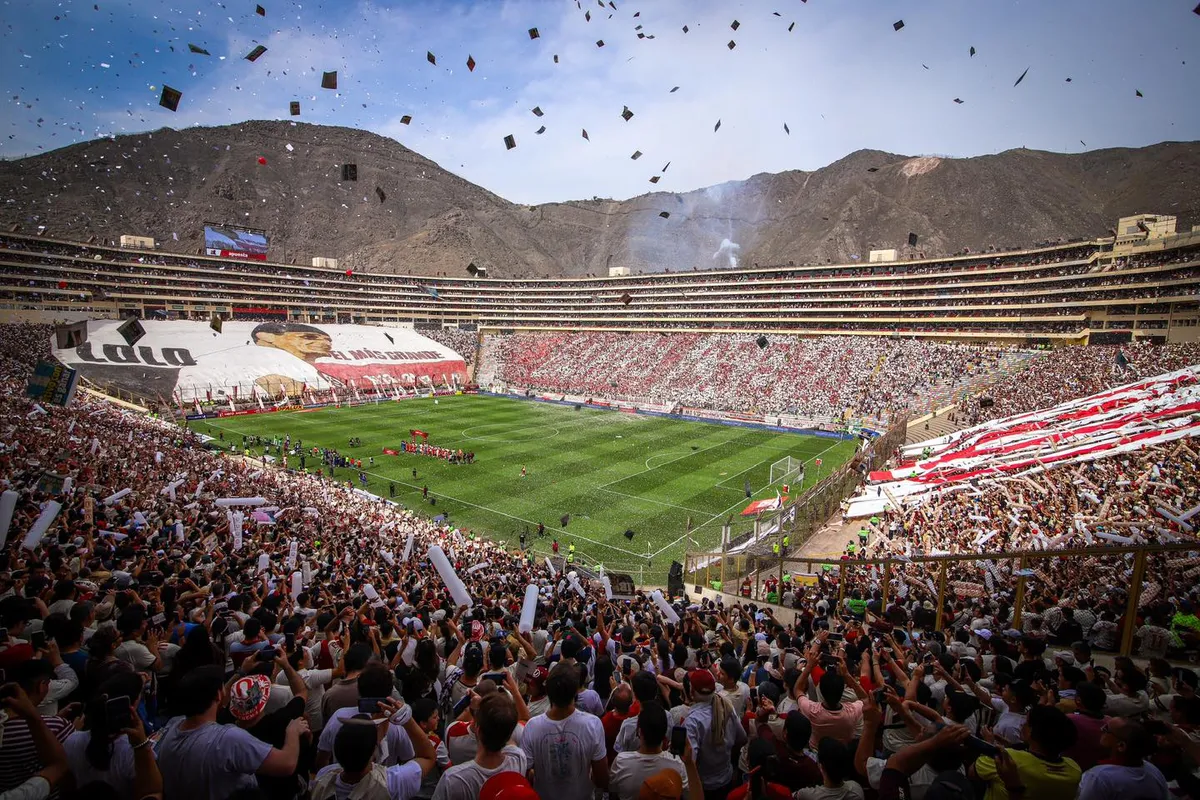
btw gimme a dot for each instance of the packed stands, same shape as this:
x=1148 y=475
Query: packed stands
x=822 y=377
x=229 y=589
x=1071 y=372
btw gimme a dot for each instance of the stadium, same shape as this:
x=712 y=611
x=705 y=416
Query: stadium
x=291 y=524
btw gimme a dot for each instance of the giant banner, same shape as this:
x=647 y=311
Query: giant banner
x=229 y=241
x=187 y=360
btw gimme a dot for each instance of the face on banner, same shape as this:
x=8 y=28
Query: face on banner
x=188 y=361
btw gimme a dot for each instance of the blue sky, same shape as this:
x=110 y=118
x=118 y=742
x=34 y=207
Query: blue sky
x=841 y=80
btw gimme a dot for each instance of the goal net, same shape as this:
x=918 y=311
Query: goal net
x=785 y=469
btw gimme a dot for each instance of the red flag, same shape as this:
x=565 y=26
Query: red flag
x=422 y=434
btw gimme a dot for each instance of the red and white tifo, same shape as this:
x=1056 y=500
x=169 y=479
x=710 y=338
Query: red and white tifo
x=1149 y=412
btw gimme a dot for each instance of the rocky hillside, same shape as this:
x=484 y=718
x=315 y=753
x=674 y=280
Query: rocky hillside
x=166 y=184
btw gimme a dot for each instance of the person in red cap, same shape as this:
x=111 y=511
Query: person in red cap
x=508 y=786
x=538 y=702
x=714 y=732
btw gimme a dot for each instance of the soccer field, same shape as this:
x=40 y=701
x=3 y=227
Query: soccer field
x=610 y=471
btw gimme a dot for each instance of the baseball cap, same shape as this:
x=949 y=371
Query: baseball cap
x=764 y=649
x=662 y=785
x=507 y=786
x=950 y=786
x=538 y=675
x=984 y=633
x=1067 y=656
x=248 y=696
x=702 y=681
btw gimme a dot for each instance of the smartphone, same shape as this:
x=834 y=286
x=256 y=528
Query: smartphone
x=158 y=619
x=117 y=713
x=289 y=640
x=267 y=654
x=753 y=694
x=981 y=747
x=775 y=662
x=880 y=697
x=461 y=705
x=927 y=658
x=38 y=640
x=626 y=668
x=835 y=637
x=678 y=740
x=495 y=677
x=369 y=705
x=3 y=635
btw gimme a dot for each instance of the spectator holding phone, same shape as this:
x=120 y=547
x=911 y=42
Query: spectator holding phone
x=354 y=750
x=495 y=720
x=761 y=781
x=102 y=751
x=621 y=707
x=631 y=768
x=1039 y=773
x=831 y=716
x=796 y=766
x=374 y=685
x=139 y=646
x=47 y=758
x=202 y=759
x=22 y=755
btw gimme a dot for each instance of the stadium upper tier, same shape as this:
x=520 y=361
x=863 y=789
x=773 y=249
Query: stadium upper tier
x=1064 y=292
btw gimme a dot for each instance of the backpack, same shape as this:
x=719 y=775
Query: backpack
x=373 y=786
x=445 y=701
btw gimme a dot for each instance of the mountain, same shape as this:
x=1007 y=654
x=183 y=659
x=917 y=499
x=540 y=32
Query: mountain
x=168 y=183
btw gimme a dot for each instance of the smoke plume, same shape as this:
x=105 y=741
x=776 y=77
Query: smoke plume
x=729 y=250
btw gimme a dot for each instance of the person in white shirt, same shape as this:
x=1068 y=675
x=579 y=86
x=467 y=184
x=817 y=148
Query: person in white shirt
x=64 y=682
x=565 y=747
x=315 y=679
x=143 y=656
x=630 y=769
x=495 y=721
x=737 y=692
x=354 y=748
x=1125 y=773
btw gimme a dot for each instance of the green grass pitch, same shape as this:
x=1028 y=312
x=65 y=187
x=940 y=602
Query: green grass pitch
x=609 y=470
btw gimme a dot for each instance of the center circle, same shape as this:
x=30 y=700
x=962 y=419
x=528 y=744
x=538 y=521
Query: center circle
x=502 y=429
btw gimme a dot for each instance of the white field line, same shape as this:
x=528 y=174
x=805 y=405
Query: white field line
x=731 y=508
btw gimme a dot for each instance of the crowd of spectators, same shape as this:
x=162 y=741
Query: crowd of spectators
x=163 y=644
x=820 y=377
x=465 y=343
x=1070 y=372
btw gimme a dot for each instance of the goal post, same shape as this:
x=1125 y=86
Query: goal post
x=785 y=469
